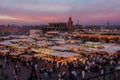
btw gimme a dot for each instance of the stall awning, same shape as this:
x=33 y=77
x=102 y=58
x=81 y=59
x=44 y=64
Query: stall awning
x=63 y=54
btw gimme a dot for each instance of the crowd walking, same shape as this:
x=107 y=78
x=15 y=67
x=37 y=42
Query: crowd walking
x=15 y=69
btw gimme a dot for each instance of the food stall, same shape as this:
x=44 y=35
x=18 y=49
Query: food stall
x=63 y=57
x=4 y=52
x=59 y=48
x=25 y=57
x=15 y=55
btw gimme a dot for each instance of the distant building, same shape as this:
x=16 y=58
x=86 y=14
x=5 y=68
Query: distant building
x=36 y=32
x=8 y=29
x=55 y=26
x=24 y=29
x=59 y=26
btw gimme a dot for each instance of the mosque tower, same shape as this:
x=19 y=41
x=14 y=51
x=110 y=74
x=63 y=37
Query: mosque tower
x=70 y=24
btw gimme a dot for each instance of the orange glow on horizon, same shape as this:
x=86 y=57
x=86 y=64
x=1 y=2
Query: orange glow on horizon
x=7 y=18
x=28 y=18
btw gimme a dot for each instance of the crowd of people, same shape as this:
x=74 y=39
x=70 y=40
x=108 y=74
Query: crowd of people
x=46 y=70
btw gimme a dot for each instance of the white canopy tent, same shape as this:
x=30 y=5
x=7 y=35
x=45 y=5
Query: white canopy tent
x=6 y=43
x=59 y=48
x=63 y=54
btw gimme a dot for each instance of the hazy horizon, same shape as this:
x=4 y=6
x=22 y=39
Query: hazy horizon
x=96 y=12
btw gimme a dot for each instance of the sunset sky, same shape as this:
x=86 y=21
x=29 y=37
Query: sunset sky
x=45 y=11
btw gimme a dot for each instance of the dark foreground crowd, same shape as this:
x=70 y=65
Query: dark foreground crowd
x=96 y=64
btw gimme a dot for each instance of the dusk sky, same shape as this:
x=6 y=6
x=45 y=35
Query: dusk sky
x=45 y=11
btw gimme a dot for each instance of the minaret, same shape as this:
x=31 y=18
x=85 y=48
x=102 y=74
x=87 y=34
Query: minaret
x=108 y=24
x=70 y=24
